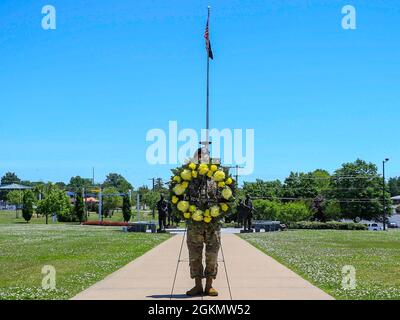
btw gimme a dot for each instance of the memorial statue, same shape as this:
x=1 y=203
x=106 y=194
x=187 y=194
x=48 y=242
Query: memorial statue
x=162 y=207
x=248 y=214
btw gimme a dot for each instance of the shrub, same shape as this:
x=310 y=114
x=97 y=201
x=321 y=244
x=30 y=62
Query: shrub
x=327 y=225
x=284 y=212
x=126 y=208
x=27 y=203
x=294 y=211
x=266 y=209
x=79 y=208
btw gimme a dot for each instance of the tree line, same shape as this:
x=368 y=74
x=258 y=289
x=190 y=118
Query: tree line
x=353 y=191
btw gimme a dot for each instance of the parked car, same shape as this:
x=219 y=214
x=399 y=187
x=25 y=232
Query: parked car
x=392 y=225
x=374 y=227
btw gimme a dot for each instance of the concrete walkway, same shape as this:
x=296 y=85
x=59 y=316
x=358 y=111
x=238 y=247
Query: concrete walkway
x=252 y=275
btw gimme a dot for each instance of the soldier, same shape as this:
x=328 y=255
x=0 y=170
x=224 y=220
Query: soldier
x=197 y=236
x=210 y=235
x=248 y=214
x=162 y=208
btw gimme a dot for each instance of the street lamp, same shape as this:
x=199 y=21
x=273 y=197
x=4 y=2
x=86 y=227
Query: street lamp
x=383 y=193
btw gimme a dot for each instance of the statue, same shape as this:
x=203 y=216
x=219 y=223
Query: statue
x=162 y=207
x=248 y=214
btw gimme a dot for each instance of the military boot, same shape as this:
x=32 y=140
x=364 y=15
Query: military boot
x=209 y=290
x=197 y=290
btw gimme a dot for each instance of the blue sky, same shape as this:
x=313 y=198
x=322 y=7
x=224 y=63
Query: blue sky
x=85 y=95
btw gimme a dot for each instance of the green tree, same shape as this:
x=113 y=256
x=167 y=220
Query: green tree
x=10 y=178
x=111 y=201
x=263 y=189
x=294 y=211
x=27 y=205
x=284 y=212
x=309 y=185
x=76 y=184
x=15 y=197
x=79 y=207
x=358 y=188
x=150 y=199
x=394 y=186
x=266 y=209
x=332 y=210
x=126 y=208
x=117 y=181
x=56 y=202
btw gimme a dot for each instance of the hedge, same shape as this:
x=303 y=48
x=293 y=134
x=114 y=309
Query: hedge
x=327 y=225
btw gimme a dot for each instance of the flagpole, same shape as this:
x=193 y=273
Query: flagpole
x=208 y=93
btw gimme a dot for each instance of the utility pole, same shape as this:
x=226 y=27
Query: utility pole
x=154 y=181
x=93 y=176
x=130 y=199
x=138 y=206
x=100 y=205
x=84 y=203
x=384 y=193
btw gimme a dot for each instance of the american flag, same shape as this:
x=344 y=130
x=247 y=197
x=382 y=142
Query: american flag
x=208 y=43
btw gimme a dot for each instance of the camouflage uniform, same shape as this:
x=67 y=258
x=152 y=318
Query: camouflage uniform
x=197 y=235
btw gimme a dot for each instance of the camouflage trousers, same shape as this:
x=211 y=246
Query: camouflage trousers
x=197 y=236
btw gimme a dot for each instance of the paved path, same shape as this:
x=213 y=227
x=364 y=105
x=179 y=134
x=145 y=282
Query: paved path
x=252 y=275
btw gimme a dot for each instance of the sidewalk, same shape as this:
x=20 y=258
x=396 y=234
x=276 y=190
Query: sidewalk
x=252 y=275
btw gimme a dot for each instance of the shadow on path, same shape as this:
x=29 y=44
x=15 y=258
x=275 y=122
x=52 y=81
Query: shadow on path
x=165 y=296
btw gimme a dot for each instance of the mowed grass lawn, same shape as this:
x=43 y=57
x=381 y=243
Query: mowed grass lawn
x=81 y=256
x=319 y=256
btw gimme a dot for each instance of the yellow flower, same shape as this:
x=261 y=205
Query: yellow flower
x=224 y=207
x=203 y=169
x=183 y=206
x=194 y=174
x=221 y=184
x=186 y=175
x=187 y=215
x=175 y=199
x=177 y=179
x=219 y=175
x=209 y=174
x=207 y=213
x=229 y=181
x=192 y=208
x=213 y=168
x=207 y=219
x=227 y=193
x=198 y=216
x=192 y=166
x=179 y=189
x=214 y=211
x=185 y=184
